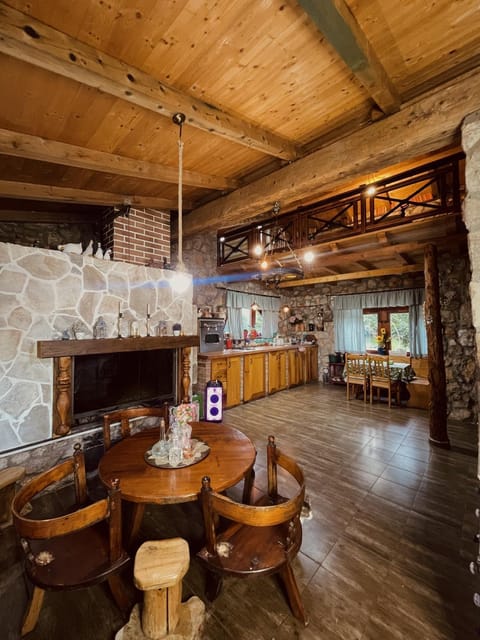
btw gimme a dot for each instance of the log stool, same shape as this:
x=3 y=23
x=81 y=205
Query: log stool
x=158 y=571
x=8 y=480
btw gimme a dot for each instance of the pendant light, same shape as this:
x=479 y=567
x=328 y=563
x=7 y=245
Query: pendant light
x=181 y=279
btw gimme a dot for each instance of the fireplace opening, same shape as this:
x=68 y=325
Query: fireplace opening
x=106 y=382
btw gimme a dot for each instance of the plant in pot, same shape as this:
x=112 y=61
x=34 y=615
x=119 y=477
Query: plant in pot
x=383 y=342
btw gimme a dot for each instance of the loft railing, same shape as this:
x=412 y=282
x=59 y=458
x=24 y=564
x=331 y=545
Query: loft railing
x=430 y=190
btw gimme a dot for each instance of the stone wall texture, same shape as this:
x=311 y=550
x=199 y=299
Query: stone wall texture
x=471 y=146
x=43 y=294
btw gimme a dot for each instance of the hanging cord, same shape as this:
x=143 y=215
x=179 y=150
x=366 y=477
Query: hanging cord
x=179 y=119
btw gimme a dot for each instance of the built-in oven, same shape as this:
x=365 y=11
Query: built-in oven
x=211 y=334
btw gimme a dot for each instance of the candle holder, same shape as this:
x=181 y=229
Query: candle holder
x=119 y=320
x=148 y=324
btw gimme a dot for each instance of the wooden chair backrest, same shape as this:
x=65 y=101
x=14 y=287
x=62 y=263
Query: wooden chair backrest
x=84 y=516
x=215 y=504
x=379 y=367
x=124 y=417
x=356 y=364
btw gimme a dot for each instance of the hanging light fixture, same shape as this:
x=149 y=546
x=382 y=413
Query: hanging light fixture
x=181 y=279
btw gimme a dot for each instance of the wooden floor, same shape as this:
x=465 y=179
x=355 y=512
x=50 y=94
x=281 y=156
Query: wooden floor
x=385 y=554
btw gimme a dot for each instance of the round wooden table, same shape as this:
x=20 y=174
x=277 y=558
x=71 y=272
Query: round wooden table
x=231 y=458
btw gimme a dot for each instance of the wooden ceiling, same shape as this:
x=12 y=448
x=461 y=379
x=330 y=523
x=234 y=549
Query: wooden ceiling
x=285 y=100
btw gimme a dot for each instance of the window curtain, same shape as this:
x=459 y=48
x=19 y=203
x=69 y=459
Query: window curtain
x=270 y=307
x=236 y=301
x=348 y=318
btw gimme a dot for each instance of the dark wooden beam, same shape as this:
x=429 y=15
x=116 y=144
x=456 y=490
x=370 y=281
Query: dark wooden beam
x=339 y=26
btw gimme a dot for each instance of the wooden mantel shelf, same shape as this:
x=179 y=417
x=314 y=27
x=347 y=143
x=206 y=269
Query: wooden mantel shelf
x=60 y=348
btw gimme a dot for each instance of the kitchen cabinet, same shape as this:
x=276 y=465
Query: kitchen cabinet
x=277 y=371
x=311 y=356
x=229 y=372
x=253 y=376
x=296 y=367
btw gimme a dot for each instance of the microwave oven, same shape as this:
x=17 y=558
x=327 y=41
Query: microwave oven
x=211 y=332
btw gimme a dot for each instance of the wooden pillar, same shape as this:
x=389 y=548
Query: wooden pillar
x=63 y=395
x=436 y=370
x=185 y=380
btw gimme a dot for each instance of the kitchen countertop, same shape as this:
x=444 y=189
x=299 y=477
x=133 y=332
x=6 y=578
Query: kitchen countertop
x=258 y=349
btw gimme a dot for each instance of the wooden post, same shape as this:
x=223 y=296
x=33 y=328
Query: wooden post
x=63 y=395
x=436 y=369
x=185 y=381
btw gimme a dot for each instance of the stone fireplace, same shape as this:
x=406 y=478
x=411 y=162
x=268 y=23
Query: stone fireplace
x=43 y=294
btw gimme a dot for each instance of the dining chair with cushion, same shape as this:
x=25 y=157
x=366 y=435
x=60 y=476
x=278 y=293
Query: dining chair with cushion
x=125 y=418
x=248 y=540
x=78 y=548
x=356 y=366
x=379 y=377
x=400 y=372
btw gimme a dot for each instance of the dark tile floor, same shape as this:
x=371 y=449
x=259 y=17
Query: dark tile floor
x=385 y=554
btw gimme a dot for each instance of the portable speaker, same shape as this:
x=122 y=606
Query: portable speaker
x=213 y=401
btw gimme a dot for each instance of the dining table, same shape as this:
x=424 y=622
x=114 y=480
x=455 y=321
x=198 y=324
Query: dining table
x=229 y=458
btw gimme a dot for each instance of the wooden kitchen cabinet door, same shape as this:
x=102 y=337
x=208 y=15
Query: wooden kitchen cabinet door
x=253 y=376
x=277 y=371
x=234 y=378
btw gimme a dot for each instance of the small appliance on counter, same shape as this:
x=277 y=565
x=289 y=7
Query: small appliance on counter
x=211 y=332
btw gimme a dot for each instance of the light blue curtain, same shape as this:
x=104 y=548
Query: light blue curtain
x=348 y=318
x=236 y=301
x=270 y=308
x=349 y=330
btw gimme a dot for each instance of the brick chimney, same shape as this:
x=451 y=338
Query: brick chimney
x=139 y=236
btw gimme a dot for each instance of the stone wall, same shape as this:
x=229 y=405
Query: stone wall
x=471 y=146
x=43 y=293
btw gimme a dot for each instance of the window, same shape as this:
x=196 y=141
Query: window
x=252 y=320
x=395 y=322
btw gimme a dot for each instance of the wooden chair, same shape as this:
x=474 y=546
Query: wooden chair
x=379 y=376
x=402 y=360
x=260 y=539
x=124 y=417
x=74 y=550
x=356 y=365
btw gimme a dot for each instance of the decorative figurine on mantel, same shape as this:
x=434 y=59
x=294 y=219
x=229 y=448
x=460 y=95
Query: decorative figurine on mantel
x=100 y=328
x=99 y=251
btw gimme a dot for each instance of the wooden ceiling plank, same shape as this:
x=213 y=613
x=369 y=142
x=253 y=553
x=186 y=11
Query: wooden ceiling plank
x=425 y=125
x=27 y=39
x=22 y=145
x=339 y=26
x=29 y=191
x=357 y=275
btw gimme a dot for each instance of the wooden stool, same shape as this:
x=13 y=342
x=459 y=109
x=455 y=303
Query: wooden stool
x=158 y=571
x=8 y=479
